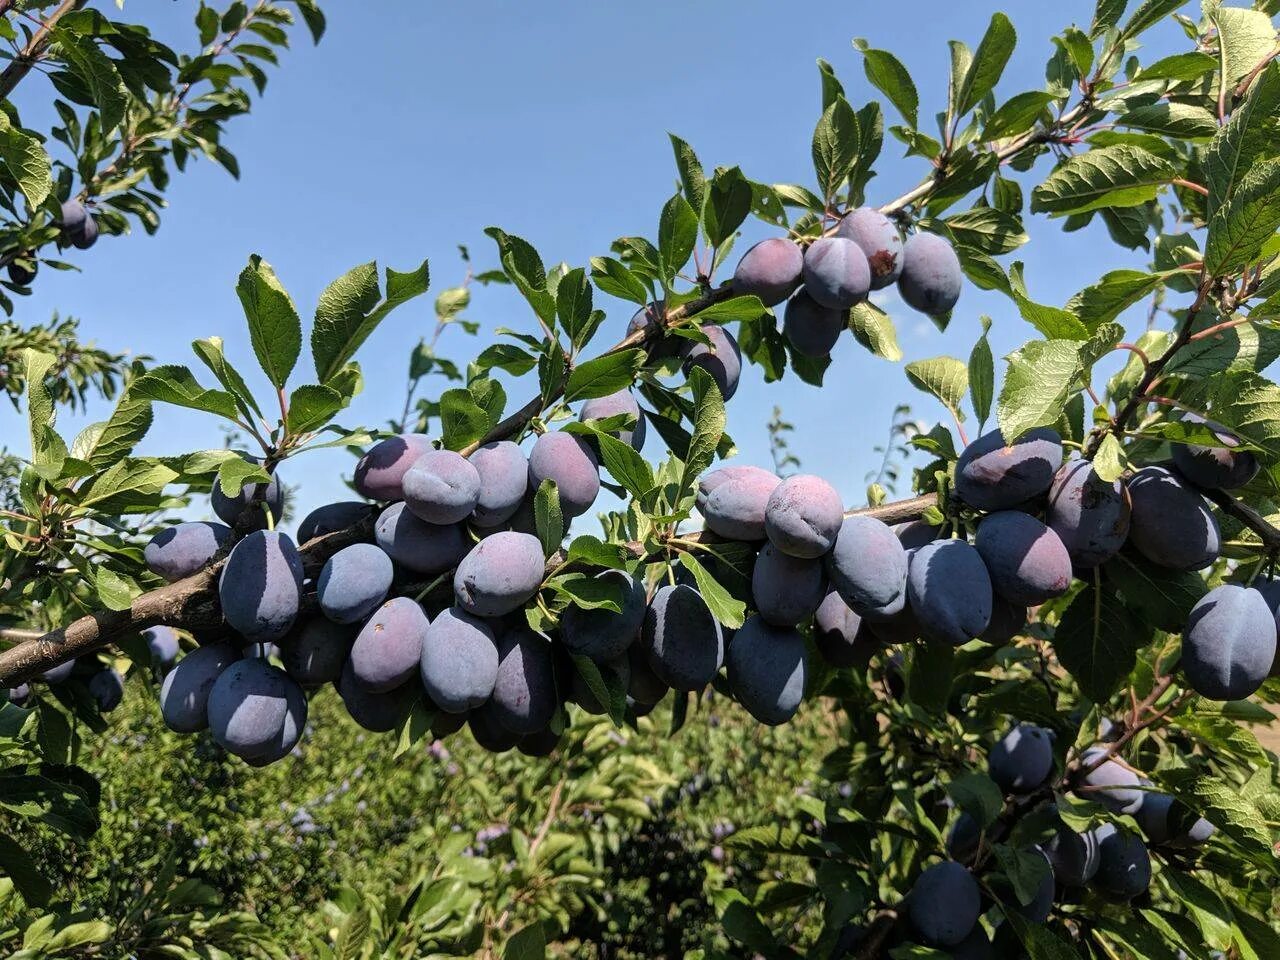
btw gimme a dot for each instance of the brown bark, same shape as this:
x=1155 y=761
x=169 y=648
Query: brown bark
x=21 y=65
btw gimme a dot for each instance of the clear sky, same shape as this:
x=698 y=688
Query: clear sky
x=414 y=125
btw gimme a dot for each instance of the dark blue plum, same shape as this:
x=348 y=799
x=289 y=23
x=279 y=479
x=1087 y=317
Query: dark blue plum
x=949 y=591
x=991 y=475
x=721 y=358
x=353 y=582
x=388 y=649
x=1007 y=621
x=1166 y=821
x=944 y=904
x=459 y=661
x=376 y=712
x=419 y=546
x=59 y=674
x=1112 y=783
x=931 y=276
x=569 y=461
x=1041 y=905
x=1022 y=759
x=1170 y=524
x=836 y=273
x=1229 y=644
x=768 y=667
x=868 y=567
x=770 y=270
x=489 y=732
x=316 y=650
x=915 y=533
x=841 y=636
x=380 y=472
x=162 y=643
x=616 y=404
x=1215 y=468
x=261 y=586
x=1090 y=516
x=441 y=487
x=733 y=506
x=500 y=574
x=107 y=689
x=179 y=551
x=684 y=639
x=602 y=634
x=333 y=517
x=252 y=710
x=540 y=744
x=184 y=695
x=812 y=329
x=1027 y=562
x=1073 y=856
x=786 y=589
x=803 y=516
x=504 y=480
x=1124 y=866
x=524 y=690
x=646 y=688
x=879 y=240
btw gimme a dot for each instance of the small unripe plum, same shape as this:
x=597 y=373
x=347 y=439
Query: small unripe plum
x=735 y=507
x=261 y=586
x=944 y=904
x=836 y=273
x=684 y=639
x=162 y=643
x=616 y=404
x=229 y=509
x=184 y=695
x=389 y=647
x=1022 y=759
x=803 y=515
x=441 y=487
x=931 y=275
x=602 y=634
x=812 y=329
x=419 y=546
x=1112 y=783
x=950 y=592
x=459 y=661
x=504 y=480
x=488 y=732
x=353 y=582
x=380 y=472
x=879 y=240
x=569 y=461
x=991 y=475
x=1073 y=856
x=1027 y=562
x=768 y=667
x=333 y=517
x=770 y=270
x=1215 y=468
x=721 y=358
x=376 y=712
x=841 y=636
x=1124 y=866
x=1229 y=644
x=1007 y=621
x=315 y=651
x=1090 y=516
x=179 y=551
x=868 y=567
x=249 y=708
x=107 y=689
x=1171 y=525
x=499 y=574
x=524 y=690
x=786 y=589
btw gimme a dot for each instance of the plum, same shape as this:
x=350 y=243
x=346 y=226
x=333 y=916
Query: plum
x=879 y=240
x=1073 y=856
x=333 y=517
x=229 y=509
x=709 y=481
x=768 y=666
x=1007 y=621
x=645 y=687
x=87 y=235
x=380 y=472
x=78 y=226
x=23 y=270
x=184 y=695
x=812 y=329
x=931 y=275
x=1022 y=759
x=441 y=487
x=868 y=567
x=602 y=634
x=616 y=404
x=1170 y=523
x=500 y=574
x=569 y=461
x=59 y=674
x=417 y=545
x=1165 y=820
x=488 y=732
x=841 y=636
x=944 y=904
x=1027 y=562
x=162 y=643
x=261 y=586
x=353 y=582
x=179 y=551
x=459 y=661
x=524 y=690
x=915 y=533
x=504 y=480
x=1111 y=783
x=18 y=695
x=734 y=506
x=770 y=270
x=1215 y=468
x=1124 y=865
x=253 y=709
x=316 y=650
x=1090 y=516
x=964 y=838
x=540 y=744
x=684 y=639
x=1229 y=643
x=388 y=648
x=107 y=689
x=376 y=712
x=836 y=273
x=786 y=589
x=950 y=591
x=803 y=515
x=720 y=357
x=991 y=475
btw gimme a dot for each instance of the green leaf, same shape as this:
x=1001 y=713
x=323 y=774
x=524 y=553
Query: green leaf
x=28 y=163
x=978 y=796
x=835 y=146
x=677 y=235
x=944 y=377
x=1248 y=220
x=1112 y=295
x=1109 y=462
x=1115 y=176
x=984 y=228
x=1246 y=37
x=930 y=670
x=1053 y=322
x=176 y=384
x=212 y=355
x=1148 y=14
x=462 y=419
x=17 y=865
x=275 y=329
x=1160 y=596
x=625 y=465
x=728 y=203
x=591 y=593
x=692 y=179
x=48 y=451
x=988 y=64
x=523 y=267
x=352 y=935
x=730 y=611
x=1097 y=641
x=603 y=375
x=1026 y=870
x=605 y=685
x=616 y=279
x=1179 y=66
x=982 y=377
x=573 y=304
x=114 y=591
x=1016 y=115
x=597 y=553
x=415 y=726
x=873 y=329
x=351 y=308
x=1249 y=405
x=886 y=73
x=1037 y=385
x=708 y=428
x=98 y=72
x=1222 y=804
x=1179 y=120
x=527 y=943
x=733 y=310
x=311 y=407
x=1246 y=138
x=547 y=517
x=102 y=444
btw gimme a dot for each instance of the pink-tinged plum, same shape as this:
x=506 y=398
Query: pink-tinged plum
x=770 y=270
x=504 y=480
x=459 y=661
x=721 y=358
x=1215 y=468
x=1124 y=865
x=879 y=240
x=441 y=487
x=524 y=690
x=376 y=712
x=991 y=475
x=613 y=405
x=316 y=650
x=569 y=461
x=709 y=481
x=684 y=639
x=1022 y=759
x=810 y=328
x=868 y=567
x=261 y=586
x=353 y=582
x=417 y=545
x=602 y=634
x=107 y=689
x=179 y=551
x=488 y=732
x=1111 y=783
x=162 y=644
x=786 y=589
x=229 y=509
x=768 y=668
x=836 y=273
x=646 y=687
x=949 y=591
x=931 y=276
x=184 y=695
x=803 y=515
x=734 y=507
x=389 y=647
x=1090 y=516
x=1027 y=562
x=1073 y=856
x=249 y=709
x=944 y=904
x=380 y=472
x=1229 y=644
x=333 y=517
x=841 y=636
x=1171 y=525
x=500 y=574
x=1007 y=621
x=540 y=744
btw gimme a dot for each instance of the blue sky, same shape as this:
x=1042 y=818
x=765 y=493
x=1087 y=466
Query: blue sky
x=406 y=133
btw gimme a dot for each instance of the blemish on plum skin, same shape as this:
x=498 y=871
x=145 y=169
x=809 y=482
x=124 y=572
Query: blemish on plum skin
x=882 y=262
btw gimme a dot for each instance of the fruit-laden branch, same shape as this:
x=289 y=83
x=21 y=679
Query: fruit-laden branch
x=21 y=65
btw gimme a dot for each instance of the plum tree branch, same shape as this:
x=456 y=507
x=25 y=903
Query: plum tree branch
x=21 y=65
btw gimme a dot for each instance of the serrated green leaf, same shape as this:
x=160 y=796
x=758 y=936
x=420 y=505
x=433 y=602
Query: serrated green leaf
x=352 y=307
x=1247 y=137
x=548 y=518
x=1097 y=641
x=692 y=178
x=212 y=355
x=1180 y=120
x=835 y=146
x=98 y=72
x=982 y=378
x=463 y=421
x=728 y=203
x=1017 y=115
x=730 y=611
x=19 y=867
x=603 y=375
x=176 y=384
x=873 y=328
x=677 y=236
x=988 y=63
x=944 y=377
x=311 y=406
x=886 y=73
x=978 y=796
x=1245 y=222
x=1116 y=176
x=27 y=161
x=1037 y=384
x=708 y=424
x=275 y=330
x=616 y=279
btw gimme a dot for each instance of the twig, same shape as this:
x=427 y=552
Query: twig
x=22 y=64
x=877 y=935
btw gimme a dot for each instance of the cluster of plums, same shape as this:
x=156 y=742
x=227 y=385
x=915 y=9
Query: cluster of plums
x=79 y=229
x=823 y=281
